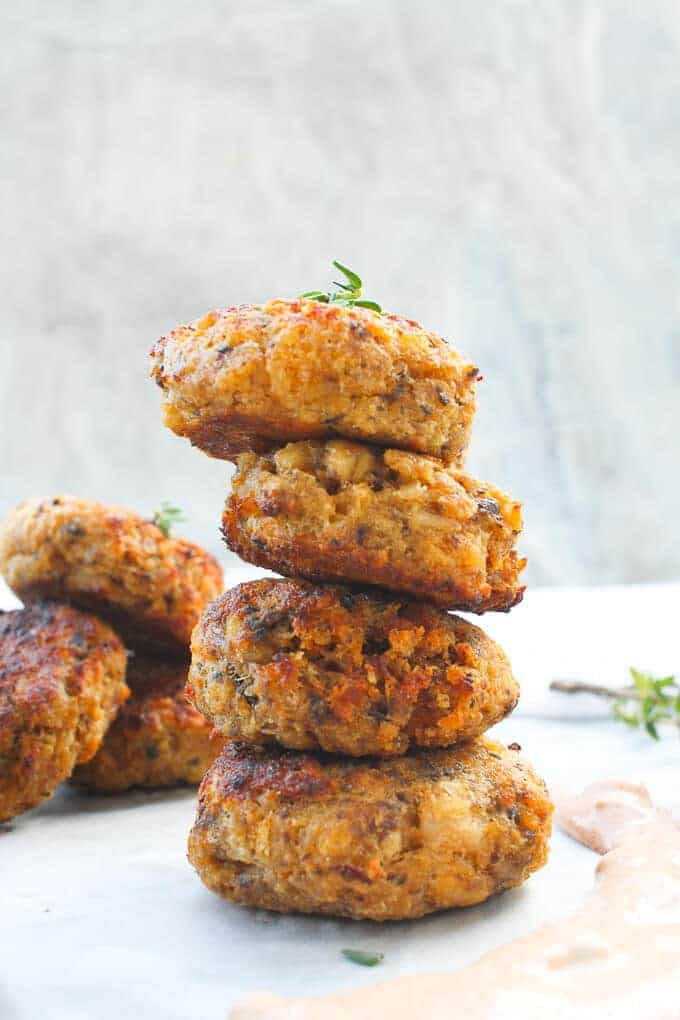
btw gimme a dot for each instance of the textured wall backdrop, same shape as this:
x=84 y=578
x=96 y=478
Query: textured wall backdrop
x=507 y=172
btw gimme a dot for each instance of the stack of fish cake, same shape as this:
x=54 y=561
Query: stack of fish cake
x=93 y=668
x=358 y=782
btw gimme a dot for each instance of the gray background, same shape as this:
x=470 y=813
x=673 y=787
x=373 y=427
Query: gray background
x=506 y=172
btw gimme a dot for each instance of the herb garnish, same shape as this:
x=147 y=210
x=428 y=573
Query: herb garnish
x=363 y=958
x=166 y=517
x=349 y=294
x=646 y=702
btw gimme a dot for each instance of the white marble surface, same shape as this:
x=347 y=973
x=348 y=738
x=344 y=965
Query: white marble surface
x=102 y=917
x=505 y=171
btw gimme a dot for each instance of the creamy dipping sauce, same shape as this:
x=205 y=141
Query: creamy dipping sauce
x=618 y=956
x=605 y=811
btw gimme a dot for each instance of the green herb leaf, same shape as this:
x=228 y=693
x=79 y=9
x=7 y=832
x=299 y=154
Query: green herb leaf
x=363 y=958
x=362 y=303
x=626 y=717
x=647 y=702
x=353 y=281
x=166 y=517
x=348 y=294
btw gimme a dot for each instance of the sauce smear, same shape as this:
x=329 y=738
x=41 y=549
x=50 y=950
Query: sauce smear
x=617 y=956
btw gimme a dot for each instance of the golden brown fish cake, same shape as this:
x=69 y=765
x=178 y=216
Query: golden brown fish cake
x=62 y=680
x=342 y=511
x=351 y=672
x=158 y=738
x=112 y=562
x=380 y=840
x=250 y=377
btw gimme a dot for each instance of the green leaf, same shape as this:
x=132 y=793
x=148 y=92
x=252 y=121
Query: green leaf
x=652 y=730
x=640 y=680
x=648 y=705
x=348 y=294
x=363 y=958
x=166 y=517
x=629 y=718
x=352 y=278
x=652 y=700
x=665 y=681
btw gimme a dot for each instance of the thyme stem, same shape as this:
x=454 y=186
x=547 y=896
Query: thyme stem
x=646 y=703
x=166 y=516
x=576 y=687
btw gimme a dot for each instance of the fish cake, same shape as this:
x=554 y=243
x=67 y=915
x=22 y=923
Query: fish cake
x=365 y=838
x=341 y=511
x=158 y=738
x=62 y=680
x=110 y=561
x=314 y=666
x=251 y=377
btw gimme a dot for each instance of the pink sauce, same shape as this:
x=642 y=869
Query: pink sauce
x=618 y=956
x=605 y=812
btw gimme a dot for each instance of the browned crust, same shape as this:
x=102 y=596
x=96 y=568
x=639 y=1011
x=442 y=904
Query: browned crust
x=242 y=775
x=62 y=680
x=351 y=672
x=250 y=377
x=158 y=738
x=227 y=439
x=392 y=519
x=346 y=562
x=110 y=561
x=380 y=840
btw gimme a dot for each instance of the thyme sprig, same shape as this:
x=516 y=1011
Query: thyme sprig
x=645 y=703
x=348 y=294
x=167 y=516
